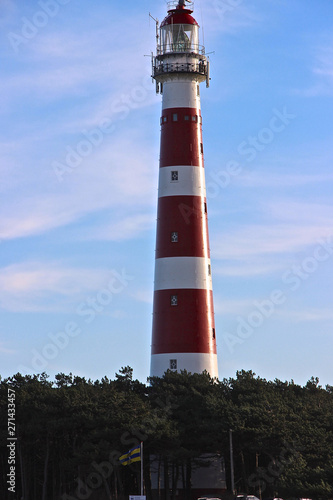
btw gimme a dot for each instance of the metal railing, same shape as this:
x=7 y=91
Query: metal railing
x=160 y=69
x=173 y=4
x=180 y=48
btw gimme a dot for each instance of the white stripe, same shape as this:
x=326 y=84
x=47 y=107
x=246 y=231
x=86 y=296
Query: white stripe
x=191 y=181
x=182 y=272
x=180 y=93
x=193 y=362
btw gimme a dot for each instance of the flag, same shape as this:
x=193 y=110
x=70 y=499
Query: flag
x=134 y=455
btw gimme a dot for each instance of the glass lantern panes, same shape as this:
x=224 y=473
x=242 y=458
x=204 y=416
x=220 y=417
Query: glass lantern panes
x=180 y=38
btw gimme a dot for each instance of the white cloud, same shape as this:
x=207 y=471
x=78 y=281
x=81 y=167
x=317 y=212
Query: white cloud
x=257 y=179
x=228 y=306
x=105 y=79
x=249 y=267
x=324 y=66
x=228 y=17
x=304 y=213
x=5 y=350
x=106 y=179
x=322 y=70
x=59 y=62
x=306 y=315
x=268 y=247
x=254 y=240
x=128 y=227
x=143 y=295
x=52 y=286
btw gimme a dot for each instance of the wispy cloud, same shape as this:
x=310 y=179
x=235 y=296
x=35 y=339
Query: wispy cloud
x=143 y=295
x=49 y=286
x=254 y=240
x=258 y=179
x=128 y=227
x=227 y=306
x=255 y=266
x=307 y=315
x=5 y=350
x=267 y=247
x=324 y=66
x=106 y=179
x=229 y=16
x=104 y=79
x=322 y=69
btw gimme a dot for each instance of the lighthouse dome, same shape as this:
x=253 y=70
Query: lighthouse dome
x=179 y=15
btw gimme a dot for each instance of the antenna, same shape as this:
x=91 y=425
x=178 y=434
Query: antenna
x=202 y=25
x=157 y=25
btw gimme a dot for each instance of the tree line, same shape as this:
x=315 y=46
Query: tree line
x=70 y=433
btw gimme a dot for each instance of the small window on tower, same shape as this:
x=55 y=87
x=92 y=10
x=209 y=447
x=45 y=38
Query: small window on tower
x=174 y=300
x=165 y=119
x=205 y=207
x=213 y=333
x=194 y=118
x=201 y=148
x=209 y=270
x=174 y=237
x=174 y=176
x=175 y=117
x=187 y=118
x=198 y=90
x=173 y=364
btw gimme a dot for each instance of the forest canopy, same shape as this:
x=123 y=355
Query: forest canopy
x=71 y=432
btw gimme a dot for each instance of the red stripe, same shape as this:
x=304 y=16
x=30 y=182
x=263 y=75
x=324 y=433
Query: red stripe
x=187 y=327
x=180 y=142
x=185 y=215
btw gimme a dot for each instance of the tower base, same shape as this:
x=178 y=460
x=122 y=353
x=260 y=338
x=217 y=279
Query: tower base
x=194 y=362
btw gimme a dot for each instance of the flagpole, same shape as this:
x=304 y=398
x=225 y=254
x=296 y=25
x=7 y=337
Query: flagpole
x=141 y=468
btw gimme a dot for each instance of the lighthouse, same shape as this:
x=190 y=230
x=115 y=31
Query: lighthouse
x=183 y=333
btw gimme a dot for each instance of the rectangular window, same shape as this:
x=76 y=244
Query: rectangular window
x=175 y=117
x=194 y=118
x=213 y=333
x=205 y=207
x=209 y=270
x=174 y=237
x=173 y=364
x=198 y=90
x=174 y=176
x=201 y=148
x=174 y=300
x=165 y=119
x=187 y=118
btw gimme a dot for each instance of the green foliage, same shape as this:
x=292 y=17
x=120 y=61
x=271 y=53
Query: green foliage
x=72 y=431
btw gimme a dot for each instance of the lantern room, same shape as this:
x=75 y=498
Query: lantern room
x=179 y=31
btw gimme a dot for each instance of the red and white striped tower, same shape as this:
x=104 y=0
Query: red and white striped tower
x=183 y=336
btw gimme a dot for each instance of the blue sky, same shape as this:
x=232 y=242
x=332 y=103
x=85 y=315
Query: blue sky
x=79 y=152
